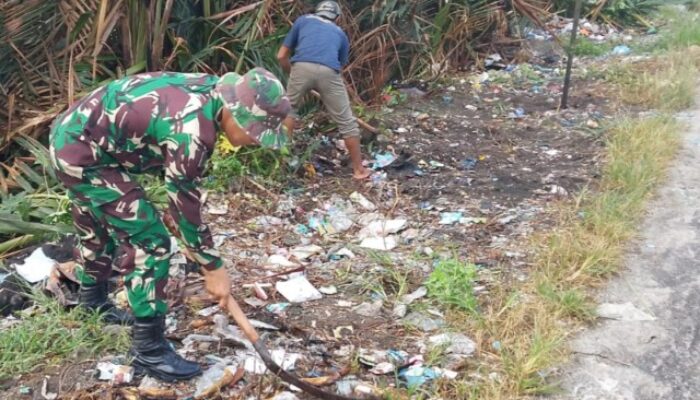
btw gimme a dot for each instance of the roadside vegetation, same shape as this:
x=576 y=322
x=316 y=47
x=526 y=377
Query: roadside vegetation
x=523 y=329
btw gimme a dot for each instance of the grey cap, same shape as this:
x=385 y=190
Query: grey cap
x=328 y=9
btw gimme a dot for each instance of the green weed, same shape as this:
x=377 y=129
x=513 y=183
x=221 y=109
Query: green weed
x=225 y=168
x=52 y=335
x=452 y=284
x=588 y=48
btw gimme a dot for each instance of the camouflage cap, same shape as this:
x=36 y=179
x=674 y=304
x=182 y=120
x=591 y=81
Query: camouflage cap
x=258 y=103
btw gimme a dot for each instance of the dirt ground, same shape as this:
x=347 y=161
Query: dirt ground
x=499 y=152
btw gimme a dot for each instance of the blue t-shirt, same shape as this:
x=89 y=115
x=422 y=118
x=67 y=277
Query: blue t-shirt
x=318 y=40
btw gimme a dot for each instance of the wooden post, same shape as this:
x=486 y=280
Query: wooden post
x=570 y=56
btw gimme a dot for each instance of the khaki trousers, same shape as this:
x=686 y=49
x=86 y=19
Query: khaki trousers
x=329 y=84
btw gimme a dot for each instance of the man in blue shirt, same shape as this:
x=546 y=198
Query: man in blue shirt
x=321 y=50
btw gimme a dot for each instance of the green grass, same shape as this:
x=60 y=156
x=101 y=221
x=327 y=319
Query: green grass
x=270 y=165
x=684 y=29
x=51 y=336
x=589 y=48
x=665 y=82
x=452 y=284
x=572 y=302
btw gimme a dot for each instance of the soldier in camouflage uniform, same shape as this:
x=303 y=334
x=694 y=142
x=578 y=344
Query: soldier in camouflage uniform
x=159 y=123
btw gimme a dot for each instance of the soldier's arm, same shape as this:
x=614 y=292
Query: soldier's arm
x=185 y=162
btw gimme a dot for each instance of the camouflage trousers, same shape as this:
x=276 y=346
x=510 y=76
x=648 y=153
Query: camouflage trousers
x=118 y=227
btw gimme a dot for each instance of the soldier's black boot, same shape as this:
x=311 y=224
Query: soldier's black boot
x=153 y=354
x=94 y=298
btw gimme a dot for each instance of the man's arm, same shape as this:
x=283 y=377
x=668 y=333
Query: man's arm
x=289 y=44
x=344 y=51
x=283 y=58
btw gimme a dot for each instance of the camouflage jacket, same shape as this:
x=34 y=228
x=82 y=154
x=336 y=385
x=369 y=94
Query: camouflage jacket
x=162 y=123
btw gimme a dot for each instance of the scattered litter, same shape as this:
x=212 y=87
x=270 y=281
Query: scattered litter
x=468 y=164
x=623 y=312
x=209 y=311
x=277 y=308
x=492 y=60
x=364 y=389
x=422 y=117
x=417 y=375
x=412 y=92
x=216 y=378
x=383 y=160
x=117 y=374
x=339 y=219
x=285 y=396
x=409 y=234
x=558 y=190
x=507 y=219
x=415 y=295
x=338 y=331
x=382 y=228
x=621 y=50
x=149 y=383
x=450 y=218
x=471 y=107
x=346 y=386
x=378 y=243
x=221 y=209
x=190 y=340
x=320 y=225
x=455 y=343
x=302 y=229
x=592 y=124
x=267 y=220
x=219 y=240
x=36 y=267
x=436 y=164
x=280 y=260
x=383 y=368
x=496 y=345
x=298 y=290
x=229 y=332
x=25 y=390
x=329 y=290
x=263 y=325
x=344 y=303
x=362 y=201
x=304 y=252
x=369 y=309
x=517 y=113
x=255 y=365
x=344 y=252
x=423 y=322
x=45 y=390
x=401 y=308
x=259 y=292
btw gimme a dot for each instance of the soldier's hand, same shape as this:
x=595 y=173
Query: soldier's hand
x=218 y=285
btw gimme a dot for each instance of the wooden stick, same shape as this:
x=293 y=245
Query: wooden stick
x=360 y=121
x=570 y=58
x=237 y=314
